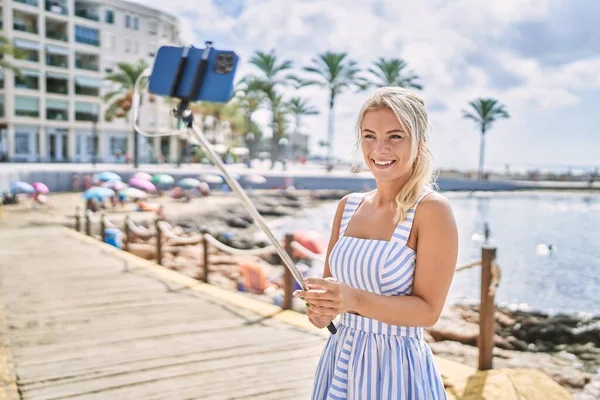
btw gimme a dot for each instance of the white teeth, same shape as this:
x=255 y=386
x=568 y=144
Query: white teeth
x=383 y=162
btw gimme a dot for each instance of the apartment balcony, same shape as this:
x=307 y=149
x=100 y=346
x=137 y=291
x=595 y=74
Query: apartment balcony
x=25 y=22
x=57 y=7
x=29 y=2
x=87 y=10
x=57 y=30
x=29 y=49
x=90 y=62
x=56 y=83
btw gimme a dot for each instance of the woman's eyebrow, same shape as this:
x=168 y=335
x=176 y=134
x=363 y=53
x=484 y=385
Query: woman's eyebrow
x=387 y=133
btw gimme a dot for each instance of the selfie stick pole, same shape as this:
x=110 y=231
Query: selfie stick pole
x=187 y=117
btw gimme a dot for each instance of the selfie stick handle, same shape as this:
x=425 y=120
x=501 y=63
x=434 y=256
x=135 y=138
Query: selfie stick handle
x=235 y=186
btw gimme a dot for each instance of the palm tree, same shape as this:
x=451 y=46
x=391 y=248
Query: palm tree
x=298 y=107
x=273 y=75
x=484 y=112
x=7 y=49
x=250 y=98
x=391 y=72
x=119 y=99
x=336 y=73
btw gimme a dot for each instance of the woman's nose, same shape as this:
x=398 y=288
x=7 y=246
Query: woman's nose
x=382 y=147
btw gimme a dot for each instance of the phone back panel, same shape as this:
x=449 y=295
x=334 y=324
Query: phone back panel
x=217 y=86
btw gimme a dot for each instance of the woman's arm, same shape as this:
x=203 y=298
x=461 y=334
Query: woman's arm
x=317 y=319
x=437 y=249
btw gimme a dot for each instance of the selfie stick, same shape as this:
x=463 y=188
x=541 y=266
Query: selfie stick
x=187 y=117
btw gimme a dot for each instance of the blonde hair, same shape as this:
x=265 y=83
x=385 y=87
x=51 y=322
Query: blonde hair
x=410 y=111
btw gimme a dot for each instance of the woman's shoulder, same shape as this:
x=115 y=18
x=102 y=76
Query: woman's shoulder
x=434 y=205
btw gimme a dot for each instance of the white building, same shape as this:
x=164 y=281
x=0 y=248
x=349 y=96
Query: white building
x=70 y=45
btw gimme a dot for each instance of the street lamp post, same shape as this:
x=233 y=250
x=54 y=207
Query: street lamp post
x=283 y=147
x=250 y=141
x=95 y=140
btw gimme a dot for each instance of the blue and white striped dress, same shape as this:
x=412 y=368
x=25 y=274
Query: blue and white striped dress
x=368 y=359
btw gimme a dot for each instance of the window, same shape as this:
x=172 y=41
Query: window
x=2 y=106
x=136 y=47
x=86 y=111
x=109 y=16
x=22 y=142
x=136 y=23
x=87 y=86
x=152 y=27
x=110 y=41
x=30 y=79
x=127 y=45
x=127 y=21
x=1 y=78
x=85 y=35
x=56 y=83
x=118 y=145
x=27 y=106
x=57 y=110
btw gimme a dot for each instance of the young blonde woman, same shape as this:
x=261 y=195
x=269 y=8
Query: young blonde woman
x=373 y=279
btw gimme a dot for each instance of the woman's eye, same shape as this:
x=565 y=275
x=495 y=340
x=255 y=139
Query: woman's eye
x=395 y=137
x=369 y=136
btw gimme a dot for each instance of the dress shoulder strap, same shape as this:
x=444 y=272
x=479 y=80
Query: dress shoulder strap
x=402 y=231
x=354 y=200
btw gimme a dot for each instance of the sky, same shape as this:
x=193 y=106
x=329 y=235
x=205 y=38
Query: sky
x=540 y=58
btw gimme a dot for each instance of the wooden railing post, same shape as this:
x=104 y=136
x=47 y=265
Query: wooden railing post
x=88 y=224
x=205 y=254
x=487 y=309
x=126 y=233
x=288 y=280
x=102 y=227
x=77 y=219
x=158 y=242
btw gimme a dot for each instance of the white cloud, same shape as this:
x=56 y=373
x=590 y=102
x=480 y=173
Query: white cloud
x=436 y=38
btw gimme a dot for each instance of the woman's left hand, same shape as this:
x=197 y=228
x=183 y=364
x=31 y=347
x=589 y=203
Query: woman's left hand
x=328 y=295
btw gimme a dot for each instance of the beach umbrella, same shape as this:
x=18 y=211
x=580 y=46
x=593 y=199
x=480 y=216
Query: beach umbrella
x=189 y=183
x=211 y=178
x=255 y=179
x=115 y=185
x=133 y=193
x=40 y=187
x=163 y=180
x=20 y=187
x=98 y=192
x=108 y=176
x=142 y=175
x=142 y=184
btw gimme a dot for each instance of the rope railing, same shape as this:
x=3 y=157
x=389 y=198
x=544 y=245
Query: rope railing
x=467 y=266
x=232 y=250
x=490 y=270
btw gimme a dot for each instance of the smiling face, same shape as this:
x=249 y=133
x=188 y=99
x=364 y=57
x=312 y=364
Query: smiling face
x=386 y=145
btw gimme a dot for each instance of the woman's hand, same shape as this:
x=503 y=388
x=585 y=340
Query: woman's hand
x=327 y=297
x=317 y=319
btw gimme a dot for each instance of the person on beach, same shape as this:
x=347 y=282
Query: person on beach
x=373 y=280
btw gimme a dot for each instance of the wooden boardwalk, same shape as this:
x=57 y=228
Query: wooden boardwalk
x=83 y=320
x=82 y=325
